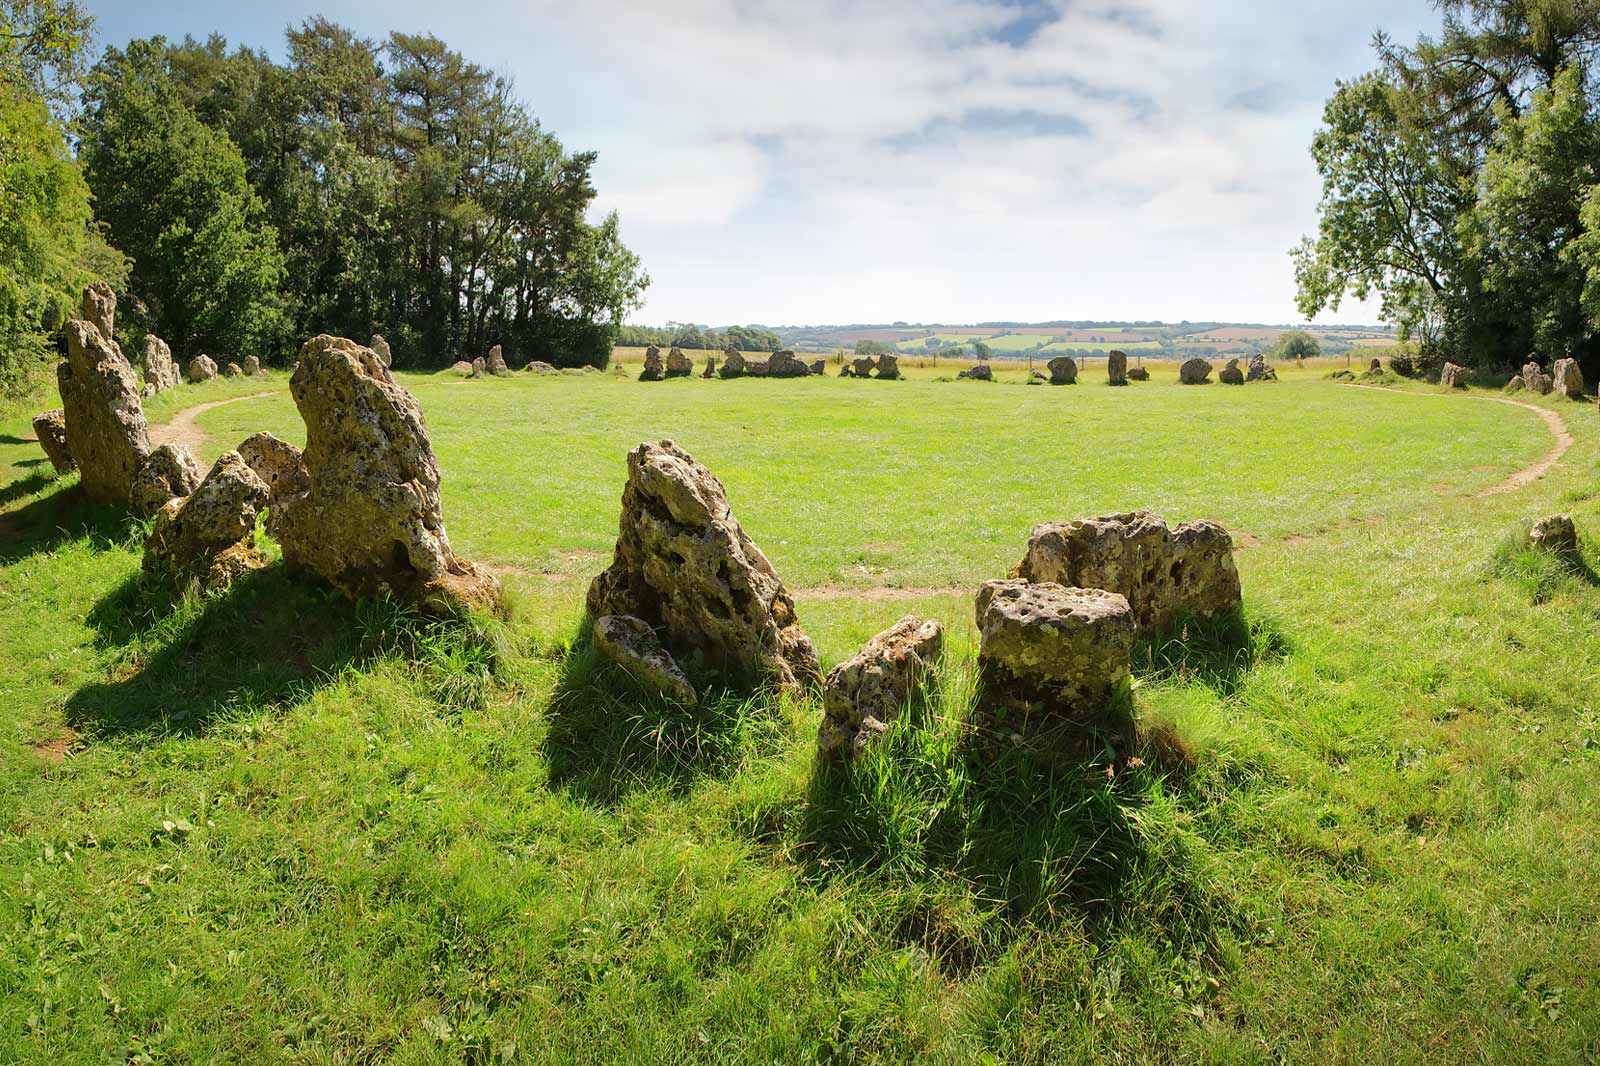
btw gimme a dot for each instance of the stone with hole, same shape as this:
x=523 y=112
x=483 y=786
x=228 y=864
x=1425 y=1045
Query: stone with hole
x=685 y=566
x=209 y=536
x=865 y=692
x=169 y=472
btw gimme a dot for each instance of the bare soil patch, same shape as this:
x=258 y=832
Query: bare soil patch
x=185 y=429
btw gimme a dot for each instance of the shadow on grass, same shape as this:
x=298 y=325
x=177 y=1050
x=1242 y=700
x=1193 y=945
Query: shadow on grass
x=1539 y=572
x=609 y=738
x=1043 y=821
x=268 y=639
x=1216 y=652
x=53 y=520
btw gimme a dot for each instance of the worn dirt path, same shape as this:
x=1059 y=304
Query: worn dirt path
x=185 y=428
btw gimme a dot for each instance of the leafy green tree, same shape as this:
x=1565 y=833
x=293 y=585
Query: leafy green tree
x=869 y=347
x=1297 y=344
x=205 y=262
x=980 y=351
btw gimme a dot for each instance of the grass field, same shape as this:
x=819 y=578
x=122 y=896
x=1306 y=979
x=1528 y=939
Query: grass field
x=276 y=826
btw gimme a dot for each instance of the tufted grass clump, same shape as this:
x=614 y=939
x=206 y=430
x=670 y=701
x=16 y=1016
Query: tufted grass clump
x=1537 y=573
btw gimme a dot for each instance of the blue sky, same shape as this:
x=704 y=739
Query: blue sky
x=925 y=160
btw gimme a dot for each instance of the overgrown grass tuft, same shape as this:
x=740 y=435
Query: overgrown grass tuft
x=1537 y=573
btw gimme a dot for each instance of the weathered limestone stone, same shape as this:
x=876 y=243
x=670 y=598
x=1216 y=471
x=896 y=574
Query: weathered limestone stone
x=684 y=565
x=169 y=472
x=1536 y=380
x=280 y=466
x=370 y=515
x=1453 y=376
x=1117 y=367
x=496 y=361
x=1375 y=367
x=159 y=369
x=461 y=366
x=633 y=645
x=1164 y=573
x=819 y=367
x=711 y=368
x=252 y=366
x=202 y=368
x=786 y=364
x=1138 y=373
x=1194 y=372
x=1514 y=385
x=480 y=367
x=678 y=365
x=1555 y=533
x=106 y=431
x=1063 y=370
x=863 y=368
x=1567 y=379
x=51 y=429
x=539 y=366
x=233 y=370
x=888 y=367
x=1231 y=374
x=733 y=363
x=1258 y=370
x=981 y=372
x=865 y=692
x=99 y=309
x=756 y=368
x=654 y=368
x=1042 y=642
x=380 y=348
x=1035 y=377
x=210 y=534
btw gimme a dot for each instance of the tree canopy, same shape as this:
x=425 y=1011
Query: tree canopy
x=1459 y=185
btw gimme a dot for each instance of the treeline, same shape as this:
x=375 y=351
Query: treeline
x=1461 y=183
x=685 y=335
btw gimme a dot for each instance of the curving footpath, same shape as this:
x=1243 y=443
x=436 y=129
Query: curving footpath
x=185 y=428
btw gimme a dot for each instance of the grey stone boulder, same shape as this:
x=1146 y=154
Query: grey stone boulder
x=1117 y=367
x=863 y=368
x=819 y=367
x=280 y=465
x=733 y=364
x=633 y=645
x=1138 y=373
x=786 y=364
x=538 y=366
x=1555 y=533
x=209 y=536
x=1455 y=377
x=981 y=372
x=1567 y=379
x=252 y=366
x=51 y=429
x=233 y=370
x=1063 y=370
x=202 y=368
x=105 y=425
x=495 y=363
x=1231 y=374
x=1194 y=372
x=678 y=365
x=169 y=472
x=380 y=348
x=888 y=367
x=685 y=566
x=1065 y=648
x=1163 y=572
x=160 y=372
x=865 y=692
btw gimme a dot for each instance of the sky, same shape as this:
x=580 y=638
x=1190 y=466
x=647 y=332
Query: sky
x=959 y=161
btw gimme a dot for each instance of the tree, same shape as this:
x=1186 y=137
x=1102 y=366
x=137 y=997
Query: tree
x=873 y=348
x=1456 y=178
x=980 y=351
x=1297 y=344
x=206 y=264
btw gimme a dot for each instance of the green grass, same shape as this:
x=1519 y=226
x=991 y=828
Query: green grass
x=1359 y=823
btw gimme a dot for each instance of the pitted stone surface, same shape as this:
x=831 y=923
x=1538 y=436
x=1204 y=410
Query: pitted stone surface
x=106 y=431
x=202 y=368
x=1117 y=367
x=865 y=692
x=1455 y=377
x=1194 y=372
x=51 y=429
x=1066 y=647
x=678 y=364
x=170 y=472
x=632 y=644
x=210 y=535
x=160 y=372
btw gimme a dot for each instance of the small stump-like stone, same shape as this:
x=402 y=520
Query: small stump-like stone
x=633 y=645
x=865 y=692
x=210 y=535
x=51 y=429
x=1138 y=373
x=981 y=372
x=202 y=368
x=170 y=472
x=1555 y=533
x=1067 y=648
x=1453 y=376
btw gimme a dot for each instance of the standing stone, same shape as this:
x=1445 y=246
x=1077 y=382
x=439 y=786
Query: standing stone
x=684 y=566
x=1257 y=369
x=1164 y=573
x=1117 y=367
x=280 y=466
x=232 y=370
x=51 y=429
x=480 y=367
x=819 y=367
x=1063 y=370
x=1375 y=367
x=654 y=370
x=99 y=309
x=678 y=365
x=210 y=535
x=1231 y=374
x=170 y=472
x=380 y=348
x=496 y=362
x=462 y=367
x=786 y=364
x=1455 y=377
x=252 y=366
x=864 y=693
x=370 y=515
x=888 y=367
x=863 y=368
x=711 y=367
x=733 y=364
x=106 y=431
x=1194 y=372
x=981 y=372
x=1567 y=379
x=1138 y=373
x=202 y=368
x=1514 y=385
x=1555 y=533
x=160 y=371
x=1068 y=648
